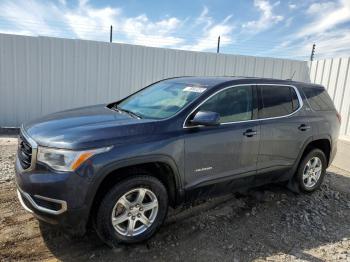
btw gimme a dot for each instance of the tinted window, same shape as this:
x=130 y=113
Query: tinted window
x=277 y=101
x=318 y=98
x=234 y=104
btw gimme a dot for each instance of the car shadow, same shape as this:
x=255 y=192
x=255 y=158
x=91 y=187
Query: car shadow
x=262 y=223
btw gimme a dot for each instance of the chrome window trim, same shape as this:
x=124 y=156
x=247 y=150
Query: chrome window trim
x=252 y=120
x=21 y=193
x=34 y=146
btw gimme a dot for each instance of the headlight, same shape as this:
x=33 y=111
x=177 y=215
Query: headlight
x=66 y=160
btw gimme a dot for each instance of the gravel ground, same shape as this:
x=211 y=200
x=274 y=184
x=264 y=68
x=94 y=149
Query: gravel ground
x=266 y=224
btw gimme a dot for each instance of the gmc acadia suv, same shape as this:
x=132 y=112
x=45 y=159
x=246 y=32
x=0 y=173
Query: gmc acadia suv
x=118 y=166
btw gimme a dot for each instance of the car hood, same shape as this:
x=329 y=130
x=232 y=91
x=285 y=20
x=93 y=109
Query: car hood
x=87 y=127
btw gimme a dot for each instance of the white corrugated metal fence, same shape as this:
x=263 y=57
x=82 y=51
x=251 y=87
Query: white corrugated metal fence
x=334 y=74
x=40 y=75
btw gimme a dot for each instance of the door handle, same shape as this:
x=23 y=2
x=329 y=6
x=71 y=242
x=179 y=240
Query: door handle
x=249 y=133
x=304 y=127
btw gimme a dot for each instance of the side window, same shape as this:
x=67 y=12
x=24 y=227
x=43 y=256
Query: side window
x=277 y=101
x=233 y=104
x=318 y=98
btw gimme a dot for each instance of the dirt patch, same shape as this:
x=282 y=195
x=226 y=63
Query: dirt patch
x=268 y=223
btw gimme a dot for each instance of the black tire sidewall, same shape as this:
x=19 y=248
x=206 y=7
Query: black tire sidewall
x=104 y=225
x=313 y=153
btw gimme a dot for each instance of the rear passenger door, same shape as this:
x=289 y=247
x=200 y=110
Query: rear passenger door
x=284 y=126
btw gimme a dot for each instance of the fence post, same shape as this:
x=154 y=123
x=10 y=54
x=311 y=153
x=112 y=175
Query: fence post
x=218 y=48
x=312 y=52
x=111 y=34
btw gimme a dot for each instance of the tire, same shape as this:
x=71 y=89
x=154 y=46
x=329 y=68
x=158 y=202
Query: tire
x=120 y=204
x=309 y=182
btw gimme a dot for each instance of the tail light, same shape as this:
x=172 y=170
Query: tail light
x=339 y=117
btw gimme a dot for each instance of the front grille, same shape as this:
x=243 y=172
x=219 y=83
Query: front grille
x=24 y=153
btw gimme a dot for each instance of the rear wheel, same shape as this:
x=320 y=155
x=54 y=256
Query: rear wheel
x=311 y=171
x=132 y=210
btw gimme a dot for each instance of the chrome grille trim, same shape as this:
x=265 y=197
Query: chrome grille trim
x=34 y=147
x=21 y=194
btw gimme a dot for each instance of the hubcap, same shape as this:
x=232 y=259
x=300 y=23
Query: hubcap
x=134 y=212
x=312 y=172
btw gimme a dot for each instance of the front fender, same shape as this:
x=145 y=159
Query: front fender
x=105 y=171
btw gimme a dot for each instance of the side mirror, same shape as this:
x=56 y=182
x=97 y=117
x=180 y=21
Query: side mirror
x=205 y=118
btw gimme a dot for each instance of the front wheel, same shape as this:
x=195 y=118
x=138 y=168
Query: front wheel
x=311 y=171
x=132 y=210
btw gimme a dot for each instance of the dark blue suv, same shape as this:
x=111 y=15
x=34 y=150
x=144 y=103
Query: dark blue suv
x=119 y=166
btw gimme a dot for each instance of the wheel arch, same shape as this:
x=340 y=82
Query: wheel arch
x=323 y=143
x=161 y=167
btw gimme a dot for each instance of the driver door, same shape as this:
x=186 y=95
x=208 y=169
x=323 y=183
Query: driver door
x=229 y=150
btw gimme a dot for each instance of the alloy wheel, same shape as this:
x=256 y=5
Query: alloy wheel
x=312 y=172
x=135 y=212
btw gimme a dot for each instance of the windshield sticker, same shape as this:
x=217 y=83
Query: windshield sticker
x=194 y=89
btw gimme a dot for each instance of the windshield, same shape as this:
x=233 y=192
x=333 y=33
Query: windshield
x=161 y=100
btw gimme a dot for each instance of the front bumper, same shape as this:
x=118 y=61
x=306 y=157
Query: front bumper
x=72 y=221
x=56 y=198
x=51 y=206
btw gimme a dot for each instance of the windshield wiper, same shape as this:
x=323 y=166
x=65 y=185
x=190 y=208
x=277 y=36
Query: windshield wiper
x=127 y=111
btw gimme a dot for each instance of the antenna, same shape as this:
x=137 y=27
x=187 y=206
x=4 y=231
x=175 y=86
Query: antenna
x=291 y=76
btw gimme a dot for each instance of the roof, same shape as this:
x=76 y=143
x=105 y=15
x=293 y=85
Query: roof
x=211 y=81
x=207 y=81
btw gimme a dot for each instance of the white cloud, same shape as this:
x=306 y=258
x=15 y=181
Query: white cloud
x=267 y=16
x=86 y=21
x=327 y=16
x=209 y=39
x=292 y=6
x=289 y=21
x=204 y=19
x=327 y=29
x=15 y=32
x=32 y=23
x=139 y=30
x=210 y=32
x=327 y=26
x=316 y=8
x=333 y=43
x=62 y=2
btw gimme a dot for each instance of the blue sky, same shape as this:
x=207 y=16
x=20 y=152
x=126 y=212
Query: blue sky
x=285 y=28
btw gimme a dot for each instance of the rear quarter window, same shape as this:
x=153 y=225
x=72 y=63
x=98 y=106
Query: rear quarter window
x=277 y=101
x=318 y=98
